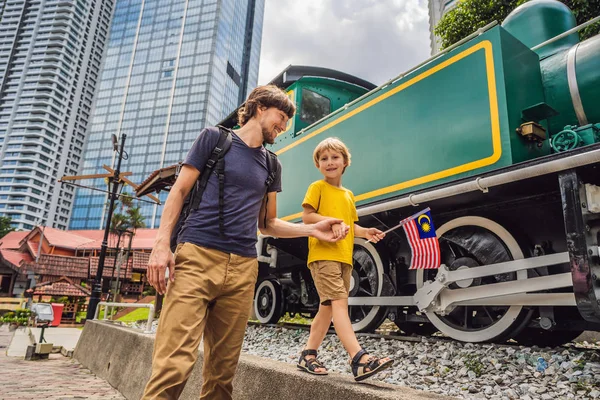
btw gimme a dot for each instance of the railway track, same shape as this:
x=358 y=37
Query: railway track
x=413 y=338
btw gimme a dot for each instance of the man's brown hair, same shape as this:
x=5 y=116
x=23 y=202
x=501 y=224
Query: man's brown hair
x=265 y=96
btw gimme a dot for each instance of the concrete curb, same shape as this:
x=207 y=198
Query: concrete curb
x=123 y=357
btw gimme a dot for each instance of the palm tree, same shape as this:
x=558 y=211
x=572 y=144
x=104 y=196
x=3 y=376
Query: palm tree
x=126 y=221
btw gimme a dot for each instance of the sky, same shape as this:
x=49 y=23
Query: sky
x=375 y=40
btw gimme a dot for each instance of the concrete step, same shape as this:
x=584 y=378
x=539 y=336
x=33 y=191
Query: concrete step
x=123 y=357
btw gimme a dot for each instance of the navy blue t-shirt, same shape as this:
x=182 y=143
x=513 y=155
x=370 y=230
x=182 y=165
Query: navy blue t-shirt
x=246 y=171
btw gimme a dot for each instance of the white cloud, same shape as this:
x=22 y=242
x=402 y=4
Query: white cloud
x=372 y=39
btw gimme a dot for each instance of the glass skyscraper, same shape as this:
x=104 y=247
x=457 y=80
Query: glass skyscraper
x=50 y=59
x=172 y=68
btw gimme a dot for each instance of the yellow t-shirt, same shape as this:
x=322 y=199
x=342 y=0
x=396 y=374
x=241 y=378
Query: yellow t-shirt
x=331 y=201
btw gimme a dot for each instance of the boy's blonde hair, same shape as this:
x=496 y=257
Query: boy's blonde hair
x=335 y=144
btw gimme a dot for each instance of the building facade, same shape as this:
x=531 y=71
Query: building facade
x=437 y=9
x=50 y=60
x=172 y=68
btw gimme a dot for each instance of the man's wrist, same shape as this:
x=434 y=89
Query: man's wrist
x=161 y=241
x=310 y=230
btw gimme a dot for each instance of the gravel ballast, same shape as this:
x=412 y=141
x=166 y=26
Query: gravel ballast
x=472 y=371
x=462 y=370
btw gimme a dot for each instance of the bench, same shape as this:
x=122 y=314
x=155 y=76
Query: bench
x=11 y=303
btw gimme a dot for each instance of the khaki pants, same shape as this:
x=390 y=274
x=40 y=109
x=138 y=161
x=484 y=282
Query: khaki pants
x=211 y=295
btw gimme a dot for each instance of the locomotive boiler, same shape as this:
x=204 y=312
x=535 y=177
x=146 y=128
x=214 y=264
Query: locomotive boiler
x=498 y=135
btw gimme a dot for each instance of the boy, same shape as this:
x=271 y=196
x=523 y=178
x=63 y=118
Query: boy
x=330 y=264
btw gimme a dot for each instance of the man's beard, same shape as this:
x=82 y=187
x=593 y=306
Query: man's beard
x=267 y=136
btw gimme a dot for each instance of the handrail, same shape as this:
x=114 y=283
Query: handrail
x=567 y=33
x=109 y=305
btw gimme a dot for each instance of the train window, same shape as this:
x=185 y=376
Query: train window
x=314 y=106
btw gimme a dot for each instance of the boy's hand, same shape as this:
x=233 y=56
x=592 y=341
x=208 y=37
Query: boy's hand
x=322 y=230
x=340 y=230
x=374 y=235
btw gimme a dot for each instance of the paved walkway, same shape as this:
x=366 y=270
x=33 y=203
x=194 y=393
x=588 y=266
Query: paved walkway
x=54 y=379
x=65 y=337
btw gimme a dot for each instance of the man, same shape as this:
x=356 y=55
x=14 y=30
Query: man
x=212 y=274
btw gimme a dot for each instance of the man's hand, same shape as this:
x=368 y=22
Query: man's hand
x=374 y=235
x=161 y=258
x=340 y=230
x=322 y=230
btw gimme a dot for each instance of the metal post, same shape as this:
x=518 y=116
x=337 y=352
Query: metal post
x=121 y=263
x=97 y=288
x=112 y=275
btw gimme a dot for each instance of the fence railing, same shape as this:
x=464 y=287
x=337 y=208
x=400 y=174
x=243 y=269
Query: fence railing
x=108 y=307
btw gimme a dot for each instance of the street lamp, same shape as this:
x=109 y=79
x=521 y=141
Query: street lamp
x=97 y=287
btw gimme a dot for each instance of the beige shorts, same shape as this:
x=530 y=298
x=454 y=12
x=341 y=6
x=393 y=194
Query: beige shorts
x=332 y=279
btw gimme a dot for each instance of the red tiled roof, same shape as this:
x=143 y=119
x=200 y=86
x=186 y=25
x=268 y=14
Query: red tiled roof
x=140 y=260
x=107 y=271
x=76 y=240
x=61 y=287
x=143 y=239
x=53 y=265
x=158 y=180
x=15 y=257
x=33 y=248
x=12 y=240
x=64 y=239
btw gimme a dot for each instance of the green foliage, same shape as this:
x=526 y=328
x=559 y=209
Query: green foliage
x=139 y=314
x=79 y=316
x=62 y=300
x=470 y=15
x=127 y=217
x=296 y=319
x=19 y=317
x=149 y=292
x=473 y=364
x=22 y=313
x=5 y=226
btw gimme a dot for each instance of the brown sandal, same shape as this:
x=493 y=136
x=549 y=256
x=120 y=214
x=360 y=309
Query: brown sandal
x=373 y=365
x=310 y=364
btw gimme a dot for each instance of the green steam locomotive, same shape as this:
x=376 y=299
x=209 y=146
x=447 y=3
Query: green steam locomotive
x=499 y=136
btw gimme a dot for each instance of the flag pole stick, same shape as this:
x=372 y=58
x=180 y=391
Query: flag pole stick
x=405 y=220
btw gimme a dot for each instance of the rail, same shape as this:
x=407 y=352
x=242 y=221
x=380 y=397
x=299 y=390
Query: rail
x=108 y=306
x=567 y=33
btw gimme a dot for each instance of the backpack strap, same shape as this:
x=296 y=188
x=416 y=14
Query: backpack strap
x=221 y=176
x=217 y=156
x=272 y=168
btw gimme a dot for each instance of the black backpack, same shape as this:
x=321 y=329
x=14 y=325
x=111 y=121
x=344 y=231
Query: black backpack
x=216 y=159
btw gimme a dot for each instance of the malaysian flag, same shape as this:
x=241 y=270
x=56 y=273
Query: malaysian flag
x=423 y=242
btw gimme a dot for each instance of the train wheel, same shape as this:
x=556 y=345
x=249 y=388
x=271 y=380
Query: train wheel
x=367 y=280
x=469 y=242
x=268 y=302
x=543 y=338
